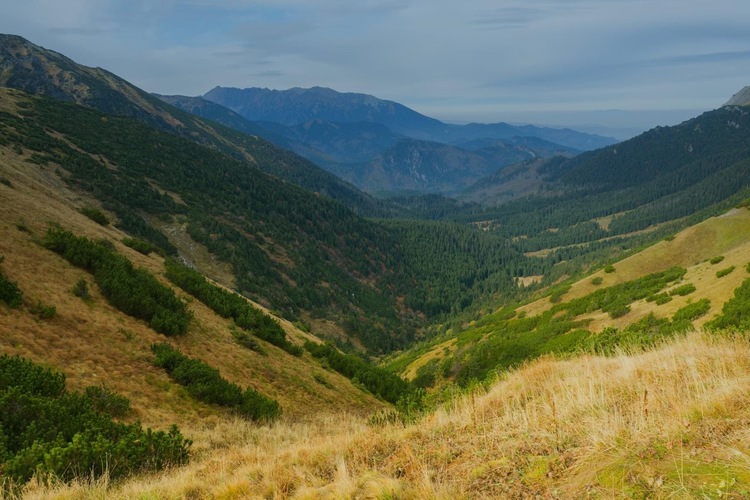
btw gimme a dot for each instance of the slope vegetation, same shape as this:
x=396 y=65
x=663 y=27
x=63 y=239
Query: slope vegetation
x=667 y=423
x=95 y=344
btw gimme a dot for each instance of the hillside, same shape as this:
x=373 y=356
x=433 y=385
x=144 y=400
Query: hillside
x=94 y=343
x=39 y=71
x=639 y=297
x=668 y=423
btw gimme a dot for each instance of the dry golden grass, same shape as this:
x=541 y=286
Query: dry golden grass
x=669 y=423
x=92 y=343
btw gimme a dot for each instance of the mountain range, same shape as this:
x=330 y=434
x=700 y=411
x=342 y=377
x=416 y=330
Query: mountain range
x=382 y=146
x=177 y=265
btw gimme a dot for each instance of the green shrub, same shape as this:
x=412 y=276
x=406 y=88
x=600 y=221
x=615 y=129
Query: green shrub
x=81 y=289
x=230 y=305
x=619 y=311
x=206 y=384
x=135 y=292
x=107 y=402
x=141 y=246
x=717 y=259
x=95 y=215
x=609 y=269
x=9 y=291
x=378 y=381
x=597 y=281
x=46 y=430
x=683 y=290
x=245 y=339
x=43 y=311
x=736 y=312
x=724 y=272
x=692 y=311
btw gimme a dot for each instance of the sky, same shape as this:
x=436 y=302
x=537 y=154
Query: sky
x=618 y=65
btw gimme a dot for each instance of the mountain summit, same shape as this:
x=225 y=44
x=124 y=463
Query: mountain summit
x=741 y=98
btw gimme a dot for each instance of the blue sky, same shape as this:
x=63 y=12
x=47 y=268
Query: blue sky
x=617 y=63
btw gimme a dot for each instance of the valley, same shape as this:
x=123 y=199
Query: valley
x=545 y=313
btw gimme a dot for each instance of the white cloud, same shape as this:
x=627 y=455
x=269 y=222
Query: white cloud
x=477 y=57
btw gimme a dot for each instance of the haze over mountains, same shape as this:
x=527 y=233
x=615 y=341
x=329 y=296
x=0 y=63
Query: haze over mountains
x=382 y=146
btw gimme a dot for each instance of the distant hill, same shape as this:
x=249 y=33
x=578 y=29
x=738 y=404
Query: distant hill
x=297 y=105
x=381 y=146
x=29 y=67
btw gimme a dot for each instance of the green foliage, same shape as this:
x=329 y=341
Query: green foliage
x=107 y=402
x=597 y=281
x=9 y=291
x=558 y=292
x=683 y=290
x=659 y=298
x=246 y=340
x=717 y=259
x=503 y=341
x=619 y=311
x=206 y=384
x=43 y=311
x=724 y=272
x=81 y=289
x=735 y=314
x=609 y=269
x=230 y=305
x=46 y=430
x=641 y=334
x=142 y=246
x=95 y=215
x=692 y=311
x=380 y=382
x=135 y=292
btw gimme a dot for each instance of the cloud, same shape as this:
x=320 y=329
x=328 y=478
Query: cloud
x=474 y=56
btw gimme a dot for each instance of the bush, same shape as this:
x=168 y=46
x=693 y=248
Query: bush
x=736 y=312
x=141 y=246
x=692 y=311
x=683 y=290
x=46 y=430
x=230 y=305
x=135 y=292
x=724 y=272
x=609 y=269
x=107 y=402
x=597 y=281
x=95 y=215
x=378 y=381
x=9 y=291
x=43 y=311
x=619 y=311
x=81 y=289
x=717 y=259
x=206 y=384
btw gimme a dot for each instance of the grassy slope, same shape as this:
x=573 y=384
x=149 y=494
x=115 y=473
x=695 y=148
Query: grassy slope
x=92 y=343
x=727 y=235
x=669 y=423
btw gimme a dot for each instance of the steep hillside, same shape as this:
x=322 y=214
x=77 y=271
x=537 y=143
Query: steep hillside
x=94 y=343
x=40 y=71
x=669 y=423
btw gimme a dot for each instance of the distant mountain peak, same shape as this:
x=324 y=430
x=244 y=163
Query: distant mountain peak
x=741 y=98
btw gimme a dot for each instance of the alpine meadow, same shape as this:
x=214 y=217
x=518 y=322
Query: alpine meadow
x=308 y=293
